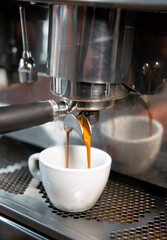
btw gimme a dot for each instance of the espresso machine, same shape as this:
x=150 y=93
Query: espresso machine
x=104 y=59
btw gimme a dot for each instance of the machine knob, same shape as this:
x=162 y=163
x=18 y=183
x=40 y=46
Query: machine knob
x=148 y=68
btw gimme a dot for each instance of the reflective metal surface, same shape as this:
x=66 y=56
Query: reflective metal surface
x=71 y=122
x=140 y=58
x=120 y=52
x=27 y=66
x=81 y=43
x=82 y=52
x=9 y=230
x=11 y=37
x=93 y=117
x=86 y=91
x=124 y=4
x=89 y=96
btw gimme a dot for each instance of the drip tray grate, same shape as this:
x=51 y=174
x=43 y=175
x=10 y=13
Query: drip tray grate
x=127 y=209
x=11 y=151
x=15 y=182
x=119 y=203
x=14 y=174
x=156 y=229
x=124 y=202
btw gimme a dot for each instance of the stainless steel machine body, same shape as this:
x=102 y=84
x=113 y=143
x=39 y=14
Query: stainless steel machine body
x=98 y=55
x=91 y=54
x=82 y=54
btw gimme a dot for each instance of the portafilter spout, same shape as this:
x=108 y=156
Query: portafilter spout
x=71 y=122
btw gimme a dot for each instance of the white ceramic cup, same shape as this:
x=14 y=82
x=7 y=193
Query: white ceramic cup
x=76 y=188
x=128 y=140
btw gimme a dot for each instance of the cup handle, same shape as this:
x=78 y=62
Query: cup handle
x=32 y=165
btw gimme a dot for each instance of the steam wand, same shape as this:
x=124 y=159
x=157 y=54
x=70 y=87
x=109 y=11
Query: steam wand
x=27 y=67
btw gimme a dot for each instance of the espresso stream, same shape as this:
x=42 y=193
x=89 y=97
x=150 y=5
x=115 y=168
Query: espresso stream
x=87 y=140
x=67 y=149
x=88 y=136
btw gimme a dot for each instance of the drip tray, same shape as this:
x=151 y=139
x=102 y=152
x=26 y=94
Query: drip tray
x=127 y=209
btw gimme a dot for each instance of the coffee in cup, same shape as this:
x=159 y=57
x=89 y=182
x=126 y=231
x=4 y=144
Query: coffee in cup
x=76 y=188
